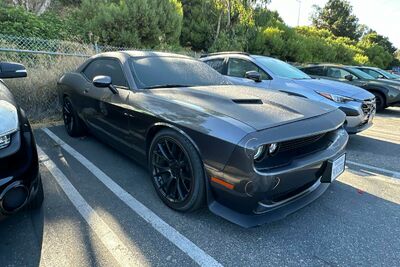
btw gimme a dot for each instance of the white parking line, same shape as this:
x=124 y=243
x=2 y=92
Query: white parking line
x=393 y=174
x=120 y=252
x=179 y=240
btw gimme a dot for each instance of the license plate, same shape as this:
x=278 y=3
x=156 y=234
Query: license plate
x=338 y=167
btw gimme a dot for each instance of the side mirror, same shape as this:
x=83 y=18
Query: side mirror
x=10 y=70
x=349 y=77
x=253 y=75
x=380 y=76
x=102 y=81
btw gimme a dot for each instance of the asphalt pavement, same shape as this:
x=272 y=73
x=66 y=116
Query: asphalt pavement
x=100 y=209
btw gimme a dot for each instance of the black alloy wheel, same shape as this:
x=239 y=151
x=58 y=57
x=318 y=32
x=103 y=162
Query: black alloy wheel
x=73 y=124
x=176 y=171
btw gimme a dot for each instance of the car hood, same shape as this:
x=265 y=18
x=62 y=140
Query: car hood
x=335 y=87
x=258 y=108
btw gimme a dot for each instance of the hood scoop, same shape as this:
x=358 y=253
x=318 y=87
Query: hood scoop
x=253 y=101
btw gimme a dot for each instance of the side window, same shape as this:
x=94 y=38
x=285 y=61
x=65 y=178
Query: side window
x=108 y=67
x=217 y=64
x=373 y=73
x=338 y=73
x=318 y=71
x=239 y=67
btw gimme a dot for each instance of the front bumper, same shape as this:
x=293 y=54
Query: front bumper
x=258 y=197
x=359 y=117
x=19 y=172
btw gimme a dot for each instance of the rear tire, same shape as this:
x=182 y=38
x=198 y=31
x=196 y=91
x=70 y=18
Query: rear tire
x=380 y=101
x=74 y=126
x=176 y=171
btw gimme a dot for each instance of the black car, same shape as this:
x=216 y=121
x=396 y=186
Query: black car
x=252 y=155
x=378 y=73
x=387 y=93
x=20 y=182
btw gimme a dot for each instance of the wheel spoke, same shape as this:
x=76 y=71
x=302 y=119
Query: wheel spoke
x=178 y=187
x=163 y=152
x=169 y=150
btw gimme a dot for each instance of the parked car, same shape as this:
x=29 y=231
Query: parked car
x=378 y=73
x=20 y=182
x=271 y=73
x=387 y=93
x=252 y=155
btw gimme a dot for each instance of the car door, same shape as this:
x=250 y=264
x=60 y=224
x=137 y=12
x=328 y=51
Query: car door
x=315 y=72
x=339 y=74
x=106 y=112
x=237 y=68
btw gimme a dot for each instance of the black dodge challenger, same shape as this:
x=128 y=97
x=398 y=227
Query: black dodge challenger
x=252 y=155
x=20 y=182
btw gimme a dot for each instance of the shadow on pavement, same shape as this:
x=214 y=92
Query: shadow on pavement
x=393 y=112
x=21 y=237
x=361 y=143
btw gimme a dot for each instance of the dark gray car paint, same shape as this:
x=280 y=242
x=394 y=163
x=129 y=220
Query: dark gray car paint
x=207 y=115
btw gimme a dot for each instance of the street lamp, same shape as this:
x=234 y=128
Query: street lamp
x=298 y=15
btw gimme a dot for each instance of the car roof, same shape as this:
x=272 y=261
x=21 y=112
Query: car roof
x=139 y=53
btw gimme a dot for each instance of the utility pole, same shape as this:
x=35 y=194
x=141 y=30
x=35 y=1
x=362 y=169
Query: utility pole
x=298 y=15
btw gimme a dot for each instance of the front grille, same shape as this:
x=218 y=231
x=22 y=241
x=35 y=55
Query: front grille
x=298 y=143
x=293 y=149
x=368 y=106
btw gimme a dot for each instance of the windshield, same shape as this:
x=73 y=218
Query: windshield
x=281 y=68
x=168 y=71
x=361 y=74
x=389 y=75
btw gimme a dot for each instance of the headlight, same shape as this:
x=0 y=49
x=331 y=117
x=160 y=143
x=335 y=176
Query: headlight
x=5 y=140
x=270 y=149
x=259 y=153
x=273 y=148
x=8 y=123
x=336 y=98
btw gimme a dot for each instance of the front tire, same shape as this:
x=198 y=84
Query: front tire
x=380 y=101
x=73 y=124
x=176 y=171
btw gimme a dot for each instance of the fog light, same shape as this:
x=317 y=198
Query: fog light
x=5 y=141
x=259 y=152
x=273 y=148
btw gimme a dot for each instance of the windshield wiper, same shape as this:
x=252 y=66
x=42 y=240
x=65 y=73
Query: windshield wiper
x=167 y=86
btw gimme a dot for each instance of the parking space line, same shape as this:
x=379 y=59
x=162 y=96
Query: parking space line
x=179 y=240
x=393 y=174
x=110 y=240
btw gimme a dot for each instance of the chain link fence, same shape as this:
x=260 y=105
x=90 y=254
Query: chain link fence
x=46 y=61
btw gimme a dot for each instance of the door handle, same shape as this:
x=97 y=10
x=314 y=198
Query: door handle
x=128 y=115
x=86 y=91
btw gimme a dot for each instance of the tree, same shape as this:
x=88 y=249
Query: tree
x=130 y=23
x=199 y=24
x=337 y=16
x=374 y=37
x=36 y=6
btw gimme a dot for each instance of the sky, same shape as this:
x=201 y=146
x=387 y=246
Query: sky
x=382 y=16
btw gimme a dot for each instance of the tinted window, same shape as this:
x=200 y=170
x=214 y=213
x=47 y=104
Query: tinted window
x=281 y=68
x=155 y=71
x=239 y=67
x=338 y=73
x=108 y=67
x=361 y=74
x=217 y=64
x=319 y=71
x=373 y=73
